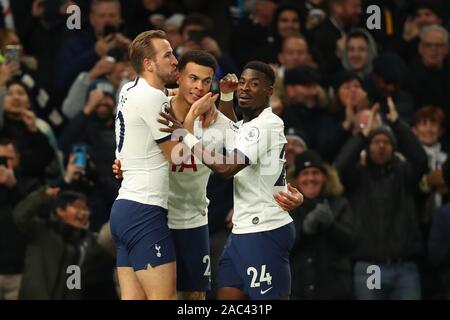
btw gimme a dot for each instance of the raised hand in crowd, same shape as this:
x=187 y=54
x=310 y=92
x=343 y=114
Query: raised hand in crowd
x=73 y=171
x=411 y=29
x=392 y=116
x=373 y=121
x=104 y=44
x=95 y=96
x=103 y=66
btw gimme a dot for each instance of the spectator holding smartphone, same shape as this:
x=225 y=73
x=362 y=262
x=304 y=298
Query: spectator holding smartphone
x=22 y=126
x=82 y=51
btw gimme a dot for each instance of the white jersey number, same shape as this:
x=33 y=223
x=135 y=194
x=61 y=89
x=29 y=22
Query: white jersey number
x=207 y=260
x=264 y=277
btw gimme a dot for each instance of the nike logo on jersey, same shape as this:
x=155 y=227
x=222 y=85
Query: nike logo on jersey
x=265 y=291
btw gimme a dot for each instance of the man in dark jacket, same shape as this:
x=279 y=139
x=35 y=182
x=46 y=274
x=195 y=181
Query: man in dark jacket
x=12 y=244
x=320 y=259
x=381 y=192
x=59 y=244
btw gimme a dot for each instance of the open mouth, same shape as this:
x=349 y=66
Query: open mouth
x=244 y=98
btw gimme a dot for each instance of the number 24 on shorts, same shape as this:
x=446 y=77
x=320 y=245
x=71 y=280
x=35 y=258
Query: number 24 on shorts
x=264 y=277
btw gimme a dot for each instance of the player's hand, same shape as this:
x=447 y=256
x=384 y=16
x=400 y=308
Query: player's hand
x=171 y=123
x=229 y=83
x=289 y=200
x=203 y=105
x=210 y=117
x=116 y=168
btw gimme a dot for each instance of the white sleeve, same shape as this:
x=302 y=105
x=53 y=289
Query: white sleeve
x=257 y=139
x=149 y=108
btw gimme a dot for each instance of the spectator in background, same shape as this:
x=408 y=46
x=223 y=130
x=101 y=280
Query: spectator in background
x=285 y=22
x=13 y=188
x=306 y=102
x=349 y=98
x=253 y=33
x=308 y=111
x=359 y=52
x=94 y=127
x=110 y=71
x=387 y=80
x=55 y=225
x=425 y=13
x=320 y=259
x=381 y=193
x=85 y=48
x=196 y=35
x=295 y=145
x=21 y=125
x=294 y=53
x=330 y=36
x=25 y=70
x=428 y=126
x=172 y=27
x=148 y=15
x=431 y=70
x=42 y=35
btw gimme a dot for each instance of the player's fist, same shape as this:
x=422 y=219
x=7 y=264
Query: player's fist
x=117 y=169
x=229 y=83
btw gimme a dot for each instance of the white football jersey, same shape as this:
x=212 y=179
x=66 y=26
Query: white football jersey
x=145 y=169
x=262 y=142
x=188 y=204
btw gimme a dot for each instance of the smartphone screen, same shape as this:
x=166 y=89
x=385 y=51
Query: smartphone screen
x=12 y=53
x=80 y=155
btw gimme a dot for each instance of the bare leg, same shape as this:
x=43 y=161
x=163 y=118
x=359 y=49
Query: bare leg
x=230 y=293
x=159 y=283
x=192 y=295
x=130 y=288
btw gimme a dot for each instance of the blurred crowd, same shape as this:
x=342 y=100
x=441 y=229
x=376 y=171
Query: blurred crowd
x=366 y=113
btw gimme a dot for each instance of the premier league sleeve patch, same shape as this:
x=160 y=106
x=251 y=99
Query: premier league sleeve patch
x=165 y=108
x=252 y=134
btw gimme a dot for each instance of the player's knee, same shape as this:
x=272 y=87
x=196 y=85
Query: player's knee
x=132 y=295
x=161 y=295
x=192 y=295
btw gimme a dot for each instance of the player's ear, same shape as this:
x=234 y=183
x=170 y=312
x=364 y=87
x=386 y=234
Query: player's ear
x=148 y=64
x=269 y=91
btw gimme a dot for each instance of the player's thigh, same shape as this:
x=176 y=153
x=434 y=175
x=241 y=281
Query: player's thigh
x=230 y=293
x=130 y=288
x=193 y=260
x=159 y=283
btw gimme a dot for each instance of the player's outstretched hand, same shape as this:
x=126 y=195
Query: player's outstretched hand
x=289 y=200
x=117 y=169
